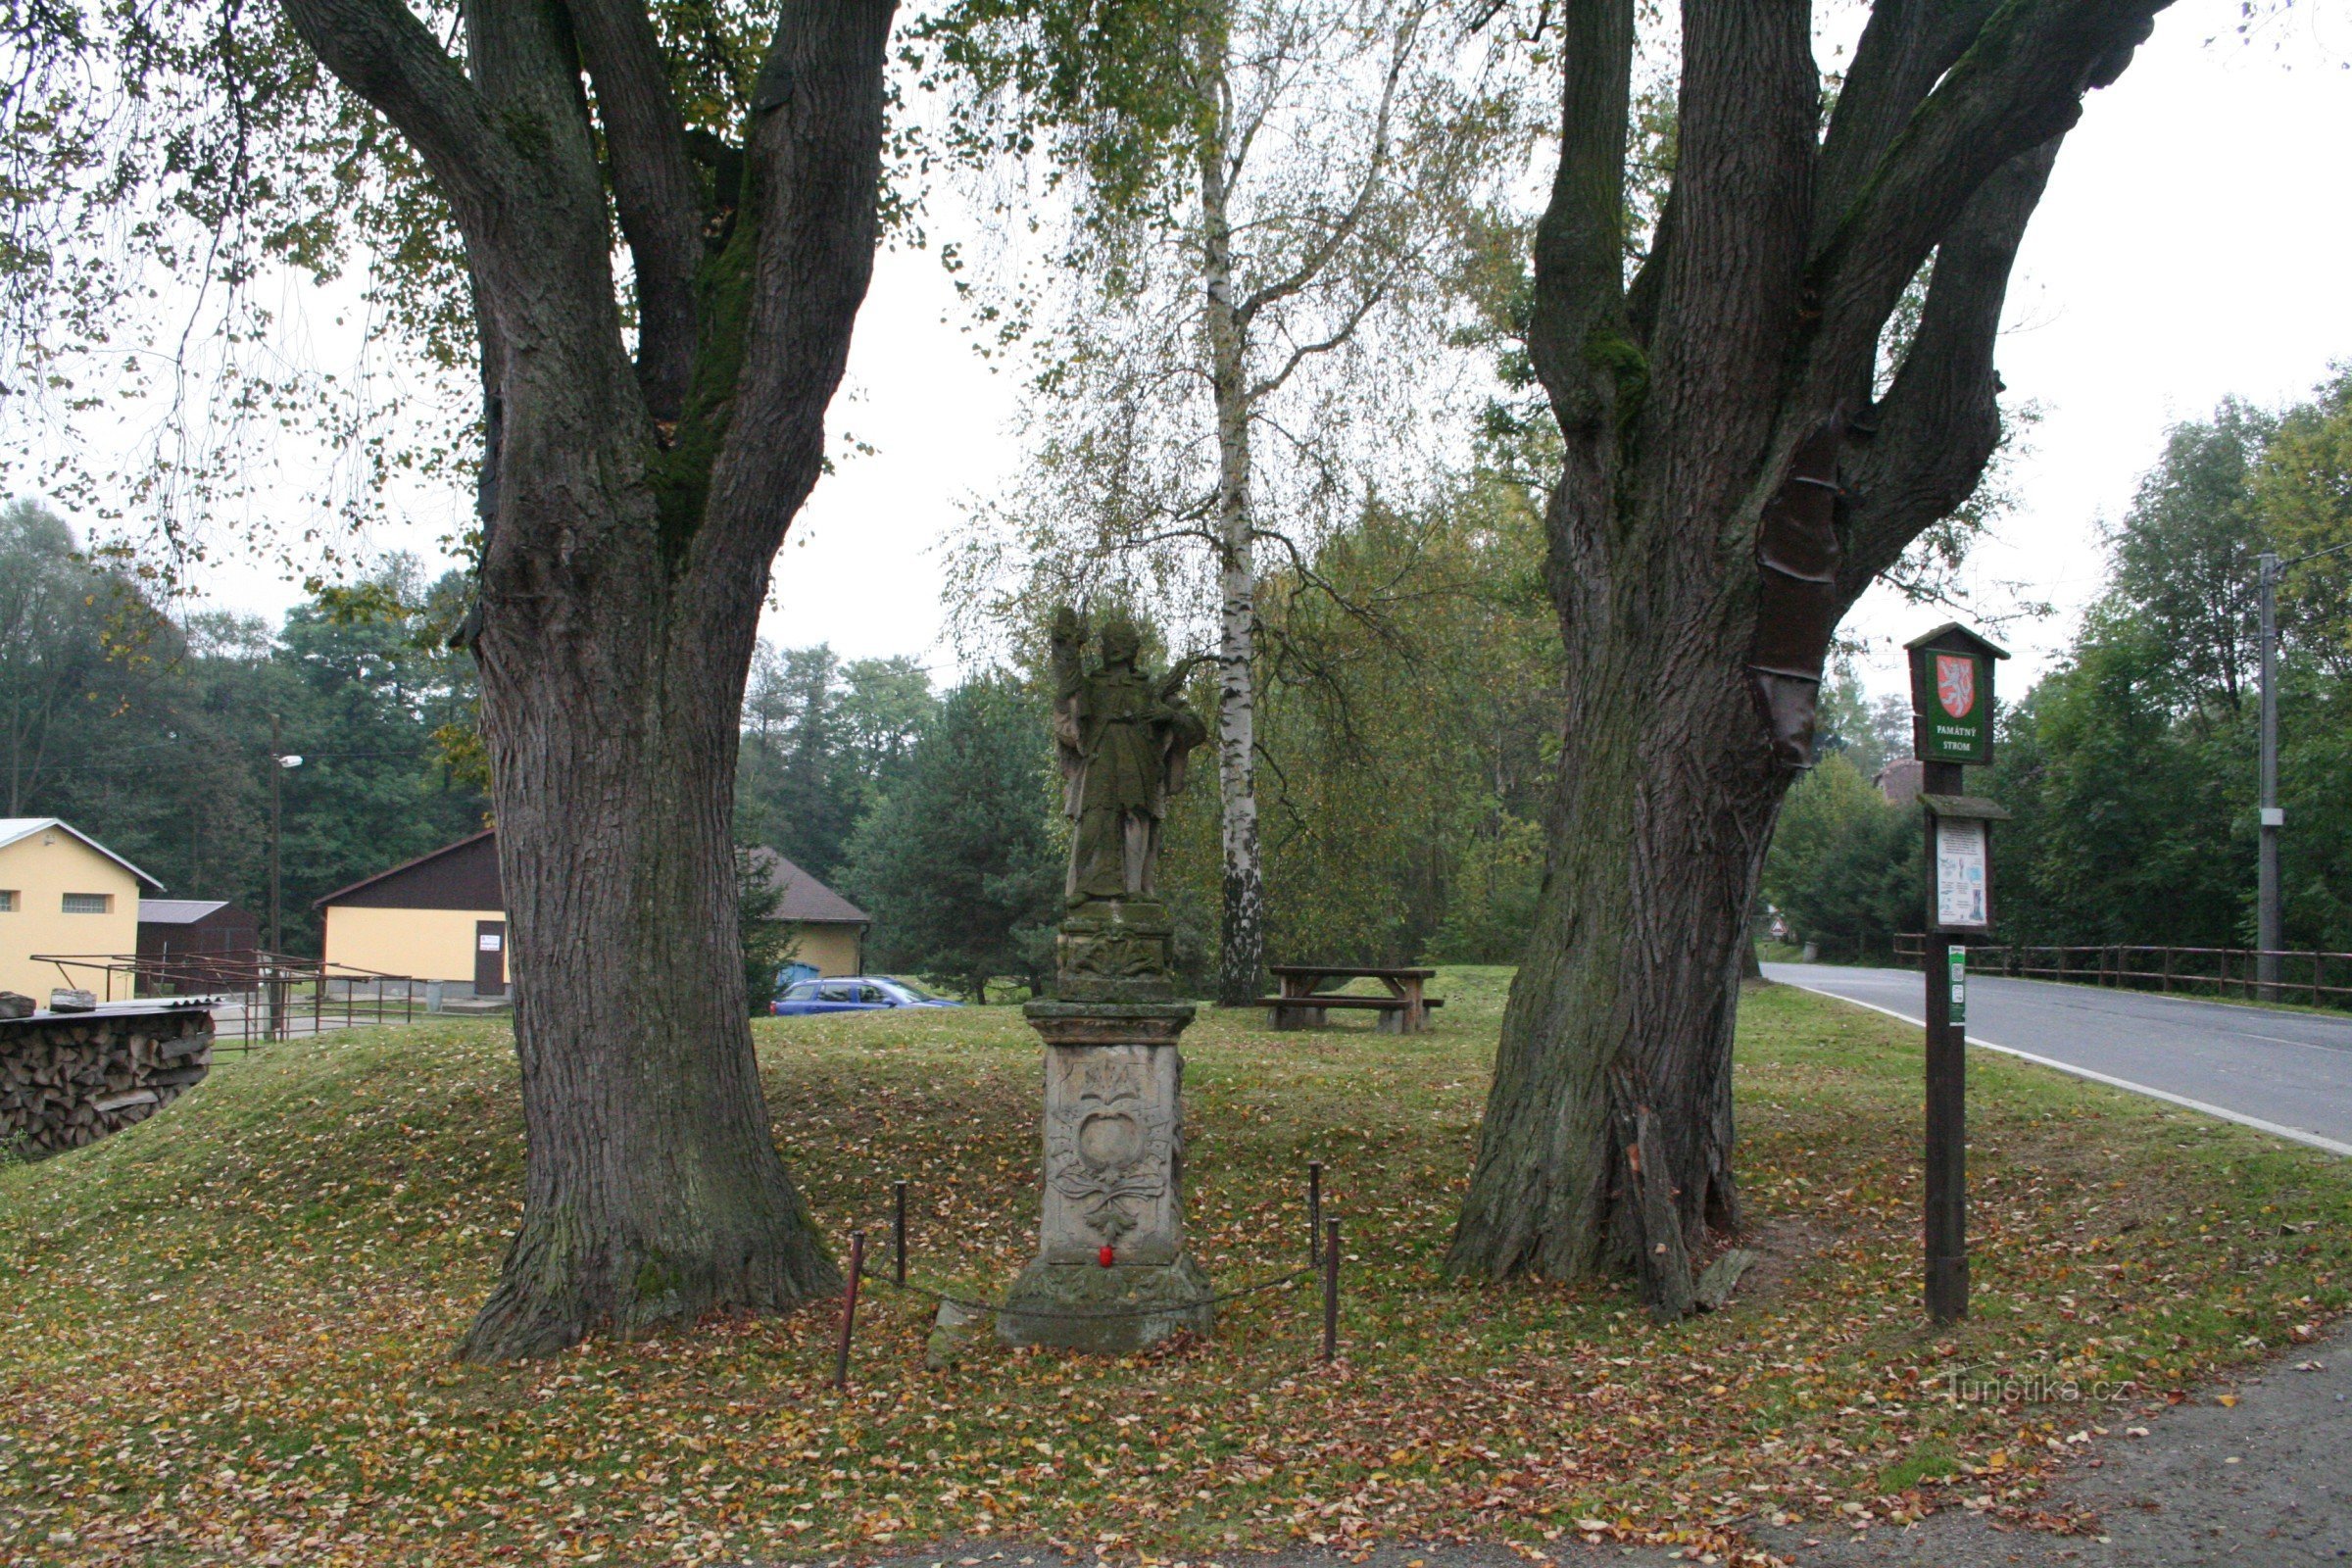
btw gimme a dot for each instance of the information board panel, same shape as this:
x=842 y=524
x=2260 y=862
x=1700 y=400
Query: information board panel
x=1962 y=902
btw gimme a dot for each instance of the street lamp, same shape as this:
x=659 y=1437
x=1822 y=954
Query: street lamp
x=277 y=773
x=2269 y=921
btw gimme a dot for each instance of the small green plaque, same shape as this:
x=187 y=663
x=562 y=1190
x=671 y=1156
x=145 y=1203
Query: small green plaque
x=1952 y=696
x=1959 y=983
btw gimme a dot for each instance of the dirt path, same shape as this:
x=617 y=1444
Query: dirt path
x=2266 y=1482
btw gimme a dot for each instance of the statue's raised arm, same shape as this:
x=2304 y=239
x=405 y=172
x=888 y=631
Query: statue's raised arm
x=1065 y=645
x=1065 y=659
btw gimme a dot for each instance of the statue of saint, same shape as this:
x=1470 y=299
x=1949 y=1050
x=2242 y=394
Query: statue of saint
x=1122 y=738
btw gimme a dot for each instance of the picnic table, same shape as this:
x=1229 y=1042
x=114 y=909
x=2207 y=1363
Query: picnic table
x=1309 y=990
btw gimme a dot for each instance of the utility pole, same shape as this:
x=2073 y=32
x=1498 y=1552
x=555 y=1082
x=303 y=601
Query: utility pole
x=2270 y=899
x=2268 y=905
x=279 y=761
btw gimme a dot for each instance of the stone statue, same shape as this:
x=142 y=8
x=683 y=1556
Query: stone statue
x=1123 y=738
x=1112 y=1272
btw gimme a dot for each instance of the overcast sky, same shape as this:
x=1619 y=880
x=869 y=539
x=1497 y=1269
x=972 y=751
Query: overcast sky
x=2194 y=244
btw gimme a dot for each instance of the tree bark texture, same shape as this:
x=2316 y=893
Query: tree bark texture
x=633 y=508
x=1728 y=487
x=1241 y=943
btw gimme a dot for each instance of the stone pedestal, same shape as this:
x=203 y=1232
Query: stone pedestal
x=1116 y=950
x=1113 y=1178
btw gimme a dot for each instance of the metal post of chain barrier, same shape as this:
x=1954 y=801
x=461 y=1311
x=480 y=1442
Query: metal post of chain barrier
x=849 y=1309
x=898 y=1245
x=1331 y=1290
x=1314 y=1207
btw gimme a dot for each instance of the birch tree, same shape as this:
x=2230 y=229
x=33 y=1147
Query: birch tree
x=1244 y=291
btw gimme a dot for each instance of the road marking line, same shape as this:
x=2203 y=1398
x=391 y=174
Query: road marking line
x=2294 y=1134
x=2281 y=1040
x=2085 y=1006
x=2076 y=987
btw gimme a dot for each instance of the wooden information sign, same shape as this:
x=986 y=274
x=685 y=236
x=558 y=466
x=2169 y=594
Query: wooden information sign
x=1951 y=696
x=1951 y=726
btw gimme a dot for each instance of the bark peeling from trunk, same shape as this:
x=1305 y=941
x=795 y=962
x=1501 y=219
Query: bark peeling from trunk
x=1797 y=610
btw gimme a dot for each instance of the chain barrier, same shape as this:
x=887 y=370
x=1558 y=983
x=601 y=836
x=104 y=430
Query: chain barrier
x=1324 y=1230
x=1101 y=1316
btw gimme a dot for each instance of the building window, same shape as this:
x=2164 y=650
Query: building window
x=8 y=900
x=90 y=904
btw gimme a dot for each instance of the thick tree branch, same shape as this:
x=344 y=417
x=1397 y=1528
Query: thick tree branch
x=1905 y=50
x=2020 y=83
x=654 y=188
x=1575 y=336
x=1941 y=419
x=1728 y=309
x=813 y=166
x=525 y=62
x=380 y=50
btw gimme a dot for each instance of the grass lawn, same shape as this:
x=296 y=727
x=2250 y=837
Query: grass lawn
x=227 y=1329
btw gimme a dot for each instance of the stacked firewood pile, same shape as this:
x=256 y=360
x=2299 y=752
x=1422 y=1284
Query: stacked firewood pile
x=69 y=1080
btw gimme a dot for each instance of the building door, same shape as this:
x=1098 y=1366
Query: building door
x=489 y=957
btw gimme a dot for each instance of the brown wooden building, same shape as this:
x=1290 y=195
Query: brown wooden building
x=197 y=944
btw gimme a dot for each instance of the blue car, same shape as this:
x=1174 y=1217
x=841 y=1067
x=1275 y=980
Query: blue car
x=857 y=994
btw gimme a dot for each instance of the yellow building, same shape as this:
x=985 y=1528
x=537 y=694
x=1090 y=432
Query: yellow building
x=442 y=916
x=62 y=892
x=828 y=931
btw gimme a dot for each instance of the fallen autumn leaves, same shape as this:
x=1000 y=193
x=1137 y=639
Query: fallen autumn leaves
x=228 y=1329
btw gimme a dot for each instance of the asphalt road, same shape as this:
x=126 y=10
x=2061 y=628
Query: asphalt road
x=2286 y=1072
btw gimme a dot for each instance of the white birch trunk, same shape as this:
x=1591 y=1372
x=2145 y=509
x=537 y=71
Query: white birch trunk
x=1242 y=951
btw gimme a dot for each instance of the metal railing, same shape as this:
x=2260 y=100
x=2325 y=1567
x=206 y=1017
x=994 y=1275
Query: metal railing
x=257 y=996
x=2309 y=975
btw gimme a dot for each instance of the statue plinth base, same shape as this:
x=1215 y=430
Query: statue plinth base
x=1115 y=1178
x=1106 y=1311
x=1116 y=950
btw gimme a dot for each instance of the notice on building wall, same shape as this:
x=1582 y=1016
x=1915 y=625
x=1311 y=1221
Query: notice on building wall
x=1960 y=897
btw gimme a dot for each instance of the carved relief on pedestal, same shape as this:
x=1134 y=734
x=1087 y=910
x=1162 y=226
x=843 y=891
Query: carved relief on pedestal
x=1114 y=1154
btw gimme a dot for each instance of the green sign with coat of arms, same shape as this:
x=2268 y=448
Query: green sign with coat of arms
x=1951 y=696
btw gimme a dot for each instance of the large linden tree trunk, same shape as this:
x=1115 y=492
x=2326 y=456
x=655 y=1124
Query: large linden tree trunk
x=635 y=505
x=1732 y=479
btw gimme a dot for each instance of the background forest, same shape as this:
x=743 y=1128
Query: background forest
x=2130 y=766
x=154 y=732
x=1404 y=734
x=1405 y=725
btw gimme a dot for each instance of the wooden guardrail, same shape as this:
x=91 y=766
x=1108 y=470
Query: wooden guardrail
x=2311 y=975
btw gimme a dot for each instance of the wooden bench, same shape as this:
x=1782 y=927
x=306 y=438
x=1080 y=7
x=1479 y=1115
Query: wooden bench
x=1305 y=1004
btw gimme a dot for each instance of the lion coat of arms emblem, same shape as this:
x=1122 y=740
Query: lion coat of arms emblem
x=1956 y=683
